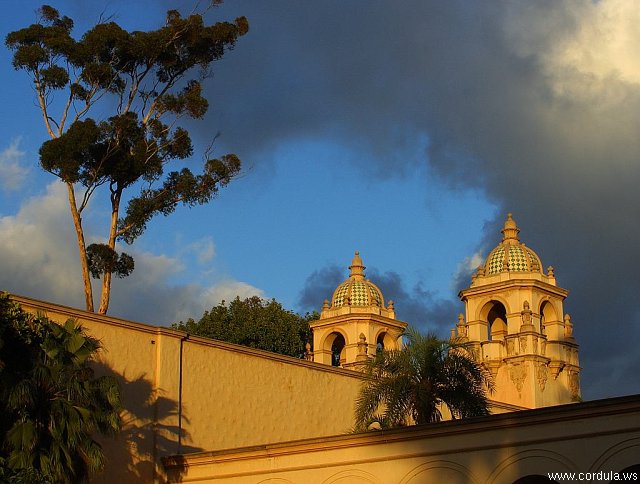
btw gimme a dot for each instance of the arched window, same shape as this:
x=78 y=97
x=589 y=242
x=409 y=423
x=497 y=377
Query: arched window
x=336 y=350
x=380 y=342
x=547 y=314
x=497 y=319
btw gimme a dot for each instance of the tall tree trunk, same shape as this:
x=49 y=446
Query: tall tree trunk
x=113 y=229
x=82 y=249
x=106 y=293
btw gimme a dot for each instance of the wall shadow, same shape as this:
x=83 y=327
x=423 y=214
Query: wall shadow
x=135 y=454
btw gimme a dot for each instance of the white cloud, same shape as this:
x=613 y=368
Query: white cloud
x=585 y=48
x=204 y=249
x=12 y=172
x=39 y=259
x=606 y=43
x=38 y=255
x=468 y=265
x=229 y=290
x=148 y=295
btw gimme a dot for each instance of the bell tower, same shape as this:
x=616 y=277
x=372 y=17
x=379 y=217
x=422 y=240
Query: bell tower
x=516 y=326
x=356 y=323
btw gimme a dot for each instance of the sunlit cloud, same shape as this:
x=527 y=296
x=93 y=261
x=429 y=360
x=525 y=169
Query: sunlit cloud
x=39 y=259
x=13 y=173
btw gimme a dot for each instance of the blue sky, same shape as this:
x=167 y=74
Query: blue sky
x=403 y=130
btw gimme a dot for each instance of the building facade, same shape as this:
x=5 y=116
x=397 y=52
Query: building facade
x=356 y=323
x=200 y=410
x=515 y=326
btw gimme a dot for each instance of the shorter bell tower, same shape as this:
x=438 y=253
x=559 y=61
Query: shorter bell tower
x=356 y=323
x=516 y=327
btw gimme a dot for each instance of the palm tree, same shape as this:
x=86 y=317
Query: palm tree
x=413 y=384
x=51 y=401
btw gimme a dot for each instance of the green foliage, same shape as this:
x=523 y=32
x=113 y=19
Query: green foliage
x=410 y=385
x=257 y=323
x=142 y=83
x=103 y=259
x=51 y=403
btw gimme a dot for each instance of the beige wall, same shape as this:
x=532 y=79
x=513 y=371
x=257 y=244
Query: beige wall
x=601 y=436
x=232 y=396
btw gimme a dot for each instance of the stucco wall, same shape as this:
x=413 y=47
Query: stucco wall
x=232 y=396
x=592 y=437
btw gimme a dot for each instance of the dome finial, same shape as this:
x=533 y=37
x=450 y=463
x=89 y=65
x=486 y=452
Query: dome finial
x=356 y=267
x=510 y=229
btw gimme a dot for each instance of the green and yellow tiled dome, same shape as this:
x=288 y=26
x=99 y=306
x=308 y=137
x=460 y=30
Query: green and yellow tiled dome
x=357 y=291
x=511 y=255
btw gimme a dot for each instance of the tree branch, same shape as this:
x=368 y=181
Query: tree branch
x=43 y=104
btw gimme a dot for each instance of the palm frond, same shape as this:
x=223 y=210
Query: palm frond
x=412 y=384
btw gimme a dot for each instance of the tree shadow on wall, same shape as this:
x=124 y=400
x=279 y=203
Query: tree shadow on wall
x=135 y=454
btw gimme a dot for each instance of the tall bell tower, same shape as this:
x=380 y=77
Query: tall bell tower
x=356 y=323
x=516 y=326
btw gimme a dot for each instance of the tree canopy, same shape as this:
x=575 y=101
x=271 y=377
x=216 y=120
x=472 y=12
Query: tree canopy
x=411 y=384
x=51 y=403
x=136 y=86
x=256 y=323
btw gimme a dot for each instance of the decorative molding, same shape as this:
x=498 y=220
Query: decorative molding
x=510 y=347
x=523 y=344
x=556 y=367
x=542 y=373
x=518 y=373
x=574 y=383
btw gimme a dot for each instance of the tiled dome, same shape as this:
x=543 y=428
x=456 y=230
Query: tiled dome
x=357 y=291
x=511 y=255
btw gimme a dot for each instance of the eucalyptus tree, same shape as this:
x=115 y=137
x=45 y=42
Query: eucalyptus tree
x=110 y=101
x=412 y=384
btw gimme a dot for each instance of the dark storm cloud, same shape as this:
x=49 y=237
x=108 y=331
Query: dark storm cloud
x=507 y=102
x=519 y=99
x=416 y=306
x=318 y=286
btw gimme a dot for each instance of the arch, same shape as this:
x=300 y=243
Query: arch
x=619 y=456
x=529 y=462
x=332 y=346
x=327 y=339
x=353 y=475
x=338 y=344
x=632 y=469
x=384 y=340
x=485 y=306
x=439 y=471
x=547 y=313
x=494 y=315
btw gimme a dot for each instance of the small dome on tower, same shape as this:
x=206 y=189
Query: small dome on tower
x=357 y=291
x=511 y=255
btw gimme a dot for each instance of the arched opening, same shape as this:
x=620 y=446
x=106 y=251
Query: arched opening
x=337 y=349
x=497 y=320
x=547 y=314
x=386 y=341
x=380 y=342
x=628 y=473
